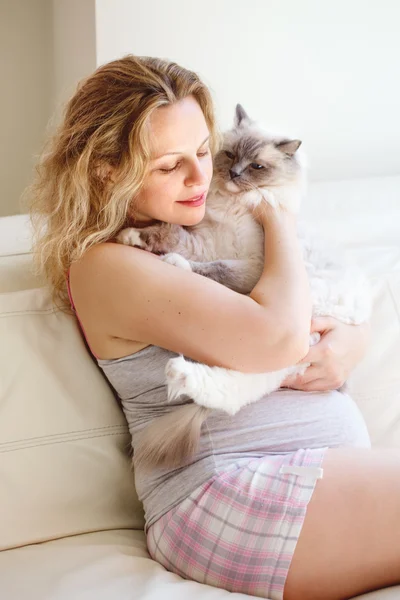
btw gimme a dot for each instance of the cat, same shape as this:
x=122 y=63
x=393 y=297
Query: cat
x=252 y=166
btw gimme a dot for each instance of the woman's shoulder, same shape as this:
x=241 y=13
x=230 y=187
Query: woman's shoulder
x=104 y=262
x=96 y=279
x=105 y=250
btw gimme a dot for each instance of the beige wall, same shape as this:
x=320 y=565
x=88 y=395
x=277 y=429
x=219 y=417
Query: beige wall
x=25 y=96
x=46 y=47
x=74 y=30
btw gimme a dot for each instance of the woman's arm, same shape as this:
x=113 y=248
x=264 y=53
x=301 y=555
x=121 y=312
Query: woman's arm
x=284 y=283
x=131 y=294
x=339 y=350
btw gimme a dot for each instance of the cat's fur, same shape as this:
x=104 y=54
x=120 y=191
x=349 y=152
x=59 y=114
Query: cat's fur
x=228 y=246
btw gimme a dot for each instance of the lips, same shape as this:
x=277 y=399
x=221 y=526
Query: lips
x=195 y=201
x=194 y=197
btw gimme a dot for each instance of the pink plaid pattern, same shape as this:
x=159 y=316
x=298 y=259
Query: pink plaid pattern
x=238 y=531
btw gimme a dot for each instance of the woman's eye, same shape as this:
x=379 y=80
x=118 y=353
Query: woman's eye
x=170 y=170
x=256 y=166
x=203 y=153
x=229 y=154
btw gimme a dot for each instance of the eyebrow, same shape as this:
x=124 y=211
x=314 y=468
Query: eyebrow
x=169 y=153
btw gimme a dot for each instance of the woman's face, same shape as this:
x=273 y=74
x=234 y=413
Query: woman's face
x=180 y=169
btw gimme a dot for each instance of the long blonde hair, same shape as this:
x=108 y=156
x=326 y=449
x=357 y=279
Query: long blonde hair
x=71 y=202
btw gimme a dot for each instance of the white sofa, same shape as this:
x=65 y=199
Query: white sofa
x=71 y=526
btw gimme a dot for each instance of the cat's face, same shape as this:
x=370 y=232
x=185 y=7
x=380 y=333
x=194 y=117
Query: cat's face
x=250 y=158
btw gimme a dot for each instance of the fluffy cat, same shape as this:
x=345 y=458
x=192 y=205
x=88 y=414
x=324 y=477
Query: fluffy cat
x=228 y=246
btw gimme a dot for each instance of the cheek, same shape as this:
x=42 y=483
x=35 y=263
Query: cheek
x=160 y=189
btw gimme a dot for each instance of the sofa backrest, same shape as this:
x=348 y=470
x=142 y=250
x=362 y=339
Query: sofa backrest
x=65 y=463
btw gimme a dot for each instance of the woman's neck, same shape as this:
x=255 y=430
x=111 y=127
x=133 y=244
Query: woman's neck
x=143 y=224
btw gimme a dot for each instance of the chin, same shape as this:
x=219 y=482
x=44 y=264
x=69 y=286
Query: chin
x=195 y=216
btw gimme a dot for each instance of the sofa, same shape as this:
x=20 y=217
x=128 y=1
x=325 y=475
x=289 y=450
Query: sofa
x=71 y=525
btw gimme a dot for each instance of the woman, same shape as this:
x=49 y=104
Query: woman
x=250 y=513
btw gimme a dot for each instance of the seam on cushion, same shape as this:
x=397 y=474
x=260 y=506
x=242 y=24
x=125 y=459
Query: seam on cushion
x=64 y=438
x=51 y=443
x=16 y=254
x=17 y=313
x=56 y=435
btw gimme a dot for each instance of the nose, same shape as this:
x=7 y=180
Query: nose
x=197 y=175
x=233 y=173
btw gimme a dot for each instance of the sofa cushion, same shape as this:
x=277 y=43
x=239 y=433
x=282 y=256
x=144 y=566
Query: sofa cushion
x=110 y=565
x=64 y=444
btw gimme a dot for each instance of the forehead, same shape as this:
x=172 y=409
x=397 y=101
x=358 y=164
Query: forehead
x=177 y=127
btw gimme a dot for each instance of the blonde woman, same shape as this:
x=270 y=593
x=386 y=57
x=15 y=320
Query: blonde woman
x=251 y=512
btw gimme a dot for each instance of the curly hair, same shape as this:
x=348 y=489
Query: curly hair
x=71 y=202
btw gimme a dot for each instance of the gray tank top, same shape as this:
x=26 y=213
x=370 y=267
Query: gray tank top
x=281 y=422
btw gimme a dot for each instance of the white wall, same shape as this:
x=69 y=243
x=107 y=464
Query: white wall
x=326 y=71
x=25 y=97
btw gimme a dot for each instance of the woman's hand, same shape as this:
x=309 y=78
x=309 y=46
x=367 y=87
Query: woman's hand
x=339 y=350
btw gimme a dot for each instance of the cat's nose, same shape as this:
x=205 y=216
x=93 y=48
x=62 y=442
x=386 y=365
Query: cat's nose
x=233 y=173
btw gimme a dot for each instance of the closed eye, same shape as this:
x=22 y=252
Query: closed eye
x=200 y=154
x=229 y=154
x=170 y=170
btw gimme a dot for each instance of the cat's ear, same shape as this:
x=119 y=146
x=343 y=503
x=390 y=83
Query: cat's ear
x=241 y=116
x=289 y=147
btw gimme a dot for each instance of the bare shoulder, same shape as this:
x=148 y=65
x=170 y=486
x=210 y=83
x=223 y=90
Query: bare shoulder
x=103 y=259
x=96 y=280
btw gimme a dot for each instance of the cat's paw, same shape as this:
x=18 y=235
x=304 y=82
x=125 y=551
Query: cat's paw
x=200 y=383
x=314 y=338
x=269 y=197
x=173 y=258
x=179 y=378
x=130 y=237
x=300 y=369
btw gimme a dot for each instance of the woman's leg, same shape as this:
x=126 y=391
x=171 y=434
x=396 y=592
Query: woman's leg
x=350 y=540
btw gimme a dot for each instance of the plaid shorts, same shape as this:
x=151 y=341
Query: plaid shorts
x=238 y=531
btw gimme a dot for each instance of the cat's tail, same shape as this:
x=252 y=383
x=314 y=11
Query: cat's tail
x=171 y=440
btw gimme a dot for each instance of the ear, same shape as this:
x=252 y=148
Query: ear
x=240 y=115
x=289 y=147
x=105 y=172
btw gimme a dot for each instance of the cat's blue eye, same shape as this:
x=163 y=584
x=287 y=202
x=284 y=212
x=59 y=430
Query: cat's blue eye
x=256 y=166
x=229 y=154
